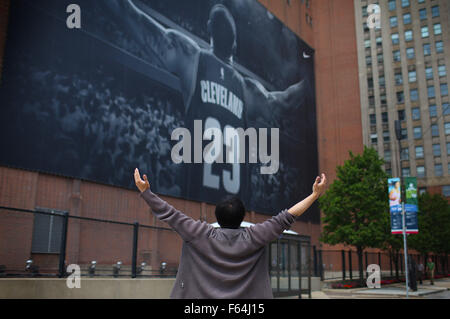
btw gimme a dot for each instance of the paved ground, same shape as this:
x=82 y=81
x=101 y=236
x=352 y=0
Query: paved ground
x=440 y=290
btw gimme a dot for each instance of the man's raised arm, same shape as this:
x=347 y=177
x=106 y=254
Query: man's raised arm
x=318 y=188
x=185 y=226
x=272 y=228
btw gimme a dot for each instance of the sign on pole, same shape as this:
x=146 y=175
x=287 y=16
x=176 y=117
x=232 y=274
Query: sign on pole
x=395 y=205
x=411 y=205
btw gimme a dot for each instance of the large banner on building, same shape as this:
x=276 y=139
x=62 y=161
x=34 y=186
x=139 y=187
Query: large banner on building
x=208 y=98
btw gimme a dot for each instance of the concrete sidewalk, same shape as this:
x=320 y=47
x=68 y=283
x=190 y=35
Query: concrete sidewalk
x=392 y=291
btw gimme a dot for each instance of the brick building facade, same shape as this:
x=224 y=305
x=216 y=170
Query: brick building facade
x=326 y=25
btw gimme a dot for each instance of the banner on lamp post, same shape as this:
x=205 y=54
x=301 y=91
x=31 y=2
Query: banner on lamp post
x=411 y=205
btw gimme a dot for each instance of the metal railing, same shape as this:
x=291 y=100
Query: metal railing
x=344 y=264
x=19 y=250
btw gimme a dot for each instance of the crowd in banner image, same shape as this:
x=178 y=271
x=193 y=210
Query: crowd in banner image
x=97 y=128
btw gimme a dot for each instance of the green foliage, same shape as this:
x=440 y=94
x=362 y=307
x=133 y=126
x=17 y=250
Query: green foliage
x=434 y=225
x=356 y=203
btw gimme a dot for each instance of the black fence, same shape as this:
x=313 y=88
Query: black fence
x=344 y=264
x=43 y=242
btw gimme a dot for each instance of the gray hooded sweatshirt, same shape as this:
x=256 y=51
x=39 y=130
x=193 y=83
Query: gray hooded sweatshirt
x=220 y=263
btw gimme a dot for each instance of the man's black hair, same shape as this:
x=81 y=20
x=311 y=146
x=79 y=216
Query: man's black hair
x=222 y=28
x=230 y=212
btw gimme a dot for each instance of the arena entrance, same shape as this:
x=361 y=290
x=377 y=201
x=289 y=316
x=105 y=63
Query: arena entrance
x=290 y=265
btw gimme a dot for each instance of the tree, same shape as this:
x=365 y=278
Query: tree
x=356 y=203
x=434 y=226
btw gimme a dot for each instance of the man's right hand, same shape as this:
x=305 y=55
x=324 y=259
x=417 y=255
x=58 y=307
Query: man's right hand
x=319 y=185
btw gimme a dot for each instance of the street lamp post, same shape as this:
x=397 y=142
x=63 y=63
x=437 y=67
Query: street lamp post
x=398 y=133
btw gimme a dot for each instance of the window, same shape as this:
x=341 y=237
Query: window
x=370 y=83
x=386 y=137
x=438 y=170
x=373 y=119
x=405 y=3
x=381 y=81
x=435 y=130
x=420 y=1
x=423 y=14
x=448 y=149
x=439 y=47
x=396 y=55
x=431 y=92
x=406 y=171
x=384 y=117
x=414 y=94
x=380 y=58
x=426 y=49
x=387 y=156
x=383 y=99
x=441 y=70
x=404 y=156
x=417 y=132
x=433 y=110
x=407 y=18
x=437 y=29
x=420 y=171
x=412 y=77
x=447 y=128
x=446 y=190
x=368 y=60
x=391 y=5
x=367 y=43
x=429 y=73
x=379 y=41
x=393 y=21
x=364 y=11
x=47 y=231
x=415 y=113
x=404 y=134
x=400 y=97
x=424 y=31
x=409 y=35
x=401 y=115
x=398 y=78
x=445 y=108
x=444 y=89
x=410 y=53
x=435 y=11
x=437 y=149
x=371 y=100
x=373 y=138
x=395 y=38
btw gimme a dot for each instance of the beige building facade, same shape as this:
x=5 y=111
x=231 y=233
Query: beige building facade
x=403 y=58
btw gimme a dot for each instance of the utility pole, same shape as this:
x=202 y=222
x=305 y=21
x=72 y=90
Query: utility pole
x=398 y=133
